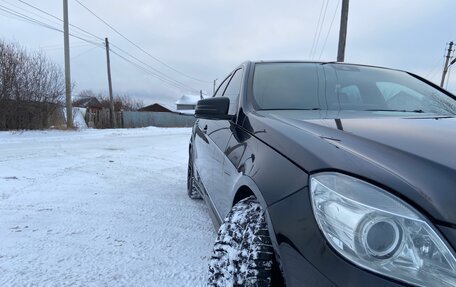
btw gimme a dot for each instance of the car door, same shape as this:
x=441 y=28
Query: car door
x=204 y=147
x=221 y=195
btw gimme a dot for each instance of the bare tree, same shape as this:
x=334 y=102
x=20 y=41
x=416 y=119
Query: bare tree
x=31 y=88
x=129 y=103
x=121 y=102
x=87 y=94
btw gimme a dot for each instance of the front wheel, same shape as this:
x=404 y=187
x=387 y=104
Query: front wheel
x=192 y=190
x=243 y=253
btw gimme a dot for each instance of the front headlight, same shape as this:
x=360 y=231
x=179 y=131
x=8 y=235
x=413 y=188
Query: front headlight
x=380 y=232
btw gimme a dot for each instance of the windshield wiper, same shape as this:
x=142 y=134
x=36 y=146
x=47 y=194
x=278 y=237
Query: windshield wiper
x=401 y=111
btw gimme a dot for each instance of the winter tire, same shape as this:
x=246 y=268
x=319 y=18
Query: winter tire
x=242 y=254
x=192 y=190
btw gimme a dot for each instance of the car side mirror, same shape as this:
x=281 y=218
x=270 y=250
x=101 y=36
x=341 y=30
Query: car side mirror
x=213 y=109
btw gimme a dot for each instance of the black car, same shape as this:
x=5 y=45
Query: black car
x=327 y=174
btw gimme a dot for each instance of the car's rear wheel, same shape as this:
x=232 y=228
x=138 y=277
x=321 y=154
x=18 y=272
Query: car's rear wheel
x=192 y=190
x=242 y=254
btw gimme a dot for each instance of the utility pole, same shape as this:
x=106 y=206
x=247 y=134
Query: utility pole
x=112 y=111
x=66 y=37
x=445 y=67
x=343 y=31
x=213 y=89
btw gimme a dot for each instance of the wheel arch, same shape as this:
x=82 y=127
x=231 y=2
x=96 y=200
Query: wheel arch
x=246 y=187
x=242 y=193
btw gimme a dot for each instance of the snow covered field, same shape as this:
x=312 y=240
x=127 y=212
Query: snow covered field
x=100 y=208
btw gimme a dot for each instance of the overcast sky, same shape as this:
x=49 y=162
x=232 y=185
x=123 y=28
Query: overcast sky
x=206 y=39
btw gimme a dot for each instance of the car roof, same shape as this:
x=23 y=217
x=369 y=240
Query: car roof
x=324 y=63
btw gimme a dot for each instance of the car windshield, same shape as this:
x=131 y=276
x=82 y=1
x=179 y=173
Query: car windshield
x=304 y=86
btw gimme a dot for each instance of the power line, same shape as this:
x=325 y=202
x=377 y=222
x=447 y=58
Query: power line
x=23 y=17
x=150 y=70
x=330 y=28
x=138 y=47
x=55 y=17
x=155 y=72
x=23 y=9
x=316 y=29
x=319 y=29
x=41 y=10
x=435 y=70
x=84 y=52
x=74 y=44
x=72 y=47
x=147 y=71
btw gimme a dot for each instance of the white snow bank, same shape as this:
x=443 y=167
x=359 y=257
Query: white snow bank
x=78 y=118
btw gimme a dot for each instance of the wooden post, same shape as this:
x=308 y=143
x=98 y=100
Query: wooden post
x=112 y=111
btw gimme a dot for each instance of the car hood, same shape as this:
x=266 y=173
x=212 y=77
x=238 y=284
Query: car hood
x=414 y=157
x=432 y=139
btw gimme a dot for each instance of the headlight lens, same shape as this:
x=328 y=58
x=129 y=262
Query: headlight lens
x=380 y=232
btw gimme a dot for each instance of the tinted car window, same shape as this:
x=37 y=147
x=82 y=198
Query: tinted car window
x=368 y=88
x=233 y=90
x=285 y=86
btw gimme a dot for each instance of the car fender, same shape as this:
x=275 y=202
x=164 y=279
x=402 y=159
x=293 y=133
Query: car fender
x=247 y=182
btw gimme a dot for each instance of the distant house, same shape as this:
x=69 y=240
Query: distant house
x=187 y=102
x=155 y=108
x=92 y=104
x=95 y=116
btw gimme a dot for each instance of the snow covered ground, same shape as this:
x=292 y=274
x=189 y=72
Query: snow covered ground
x=100 y=208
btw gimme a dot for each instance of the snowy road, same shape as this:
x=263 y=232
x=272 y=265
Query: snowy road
x=100 y=208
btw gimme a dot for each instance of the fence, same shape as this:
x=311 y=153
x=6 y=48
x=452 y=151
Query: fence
x=30 y=115
x=158 y=119
x=125 y=119
x=16 y=115
x=101 y=119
